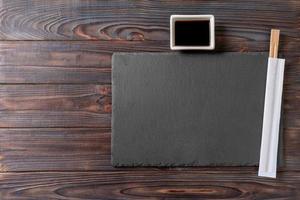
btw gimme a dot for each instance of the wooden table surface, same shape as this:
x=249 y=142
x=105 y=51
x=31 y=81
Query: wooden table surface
x=55 y=97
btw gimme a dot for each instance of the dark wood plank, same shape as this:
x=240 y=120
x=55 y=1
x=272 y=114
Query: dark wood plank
x=55 y=106
x=89 y=98
x=54 y=75
x=74 y=54
x=142 y=20
x=28 y=119
x=60 y=149
x=54 y=149
x=98 y=53
x=151 y=184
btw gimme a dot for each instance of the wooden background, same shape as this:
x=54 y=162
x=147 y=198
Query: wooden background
x=55 y=97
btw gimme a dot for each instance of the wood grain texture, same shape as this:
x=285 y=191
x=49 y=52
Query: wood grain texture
x=74 y=54
x=42 y=119
x=88 y=98
x=55 y=149
x=151 y=184
x=140 y=20
x=55 y=106
x=54 y=75
x=55 y=97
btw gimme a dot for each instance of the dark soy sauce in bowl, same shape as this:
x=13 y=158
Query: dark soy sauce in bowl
x=192 y=33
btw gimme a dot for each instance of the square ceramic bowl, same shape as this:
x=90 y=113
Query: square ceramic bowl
x=192 y=32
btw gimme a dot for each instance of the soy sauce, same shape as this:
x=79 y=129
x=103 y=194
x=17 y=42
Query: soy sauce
x=192 y=33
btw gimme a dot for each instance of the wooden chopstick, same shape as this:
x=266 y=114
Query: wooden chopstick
x=274 y=43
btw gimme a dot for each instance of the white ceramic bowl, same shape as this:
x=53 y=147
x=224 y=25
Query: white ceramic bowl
x=209 y=18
